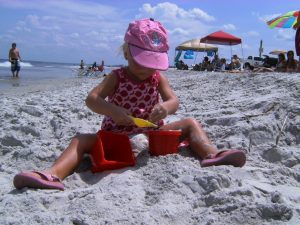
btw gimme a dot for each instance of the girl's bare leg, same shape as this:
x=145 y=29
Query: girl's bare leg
x=198 y=139
x=72 y=156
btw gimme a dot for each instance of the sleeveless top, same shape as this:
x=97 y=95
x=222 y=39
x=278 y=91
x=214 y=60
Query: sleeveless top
x=137 y=97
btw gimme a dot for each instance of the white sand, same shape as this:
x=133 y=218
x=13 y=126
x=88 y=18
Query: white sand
x=237 y=110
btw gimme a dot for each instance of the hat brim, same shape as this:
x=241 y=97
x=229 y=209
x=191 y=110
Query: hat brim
x=149 y=59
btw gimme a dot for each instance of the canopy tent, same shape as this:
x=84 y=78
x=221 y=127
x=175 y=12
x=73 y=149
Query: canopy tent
x=196 y=46
x=221 y=38
x=193 y=45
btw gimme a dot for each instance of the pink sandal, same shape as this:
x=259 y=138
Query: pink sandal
x=235 y=158
x=45 y=181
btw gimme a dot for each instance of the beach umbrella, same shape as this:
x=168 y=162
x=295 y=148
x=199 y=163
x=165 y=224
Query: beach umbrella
x=277 y=52
x=289 y=20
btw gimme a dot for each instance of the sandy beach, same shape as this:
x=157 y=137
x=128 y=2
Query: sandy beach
x=258 y=112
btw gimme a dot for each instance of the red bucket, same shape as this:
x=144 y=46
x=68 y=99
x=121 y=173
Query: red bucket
x=111 y=151
x=163 y=142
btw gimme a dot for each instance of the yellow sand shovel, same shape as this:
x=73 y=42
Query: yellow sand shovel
x=142 y=123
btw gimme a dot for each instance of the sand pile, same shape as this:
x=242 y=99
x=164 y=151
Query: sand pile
x=257 y=112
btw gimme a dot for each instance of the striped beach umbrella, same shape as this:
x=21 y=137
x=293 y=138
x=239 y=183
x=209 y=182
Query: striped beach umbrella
x=287 y=20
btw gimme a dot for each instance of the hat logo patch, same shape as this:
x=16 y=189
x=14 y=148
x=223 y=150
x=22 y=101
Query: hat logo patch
x=155 y=39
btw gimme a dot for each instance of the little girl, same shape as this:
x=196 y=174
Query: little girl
x=134 y=90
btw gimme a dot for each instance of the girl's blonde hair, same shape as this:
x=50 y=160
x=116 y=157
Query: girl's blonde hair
x=124 y=49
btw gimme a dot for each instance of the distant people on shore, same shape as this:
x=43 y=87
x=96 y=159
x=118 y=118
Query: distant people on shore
x=94 y=67
x=223 y=66
x=81 y=65
x=101 y=67
x=291 y=63
x=205 y=65
x=235 y=63
x=14 y=58
x=180 y=65
x=280 y=66
x=216 y=63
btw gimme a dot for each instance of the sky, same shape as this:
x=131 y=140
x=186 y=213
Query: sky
x=68 y=31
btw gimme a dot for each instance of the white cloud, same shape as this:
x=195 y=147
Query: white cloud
x=252 y=33
x=285 y=34
x=171 y=11
x=229 y=26
x=74 y=35
x=102 y=46
x=178 y=31
x=33 y=20
x=265 y=18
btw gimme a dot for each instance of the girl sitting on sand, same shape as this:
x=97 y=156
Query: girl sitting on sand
x=133 y=90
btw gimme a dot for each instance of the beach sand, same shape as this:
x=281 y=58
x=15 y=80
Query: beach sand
x=237 y=111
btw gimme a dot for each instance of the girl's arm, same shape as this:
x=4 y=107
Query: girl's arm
x=170 y=102
x=97 y=103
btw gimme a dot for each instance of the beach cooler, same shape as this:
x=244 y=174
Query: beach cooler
x=111 y=151
x=163 y=142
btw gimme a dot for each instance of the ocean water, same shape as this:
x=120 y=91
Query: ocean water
x=35 y=71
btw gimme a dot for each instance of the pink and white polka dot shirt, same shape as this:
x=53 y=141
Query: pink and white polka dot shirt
x=137 y=97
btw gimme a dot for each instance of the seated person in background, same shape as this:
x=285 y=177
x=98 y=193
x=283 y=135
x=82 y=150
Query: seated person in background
x=205 y=64
x=180 y=65
x=216 y=63
x=280 y=66
x=210 y=66
x=235 y=63
x=223 y=67
x=291 y=63
x=197 y=67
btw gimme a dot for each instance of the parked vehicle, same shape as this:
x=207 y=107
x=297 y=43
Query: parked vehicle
x=255 y=61
x=270 y=61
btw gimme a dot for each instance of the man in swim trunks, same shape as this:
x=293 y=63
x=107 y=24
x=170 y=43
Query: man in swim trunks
x=14 y=58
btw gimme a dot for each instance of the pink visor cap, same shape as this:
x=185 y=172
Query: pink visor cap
x=148 y=43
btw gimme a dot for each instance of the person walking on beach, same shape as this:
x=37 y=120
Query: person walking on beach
x=14 y=58
x=138 y=90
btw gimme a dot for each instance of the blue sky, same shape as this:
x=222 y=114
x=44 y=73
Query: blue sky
x=67 y=31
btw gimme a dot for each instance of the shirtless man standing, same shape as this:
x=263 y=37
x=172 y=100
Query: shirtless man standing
x=15 y=58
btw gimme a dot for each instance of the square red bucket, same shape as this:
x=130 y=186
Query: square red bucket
x=111 y=151
x=163 y=142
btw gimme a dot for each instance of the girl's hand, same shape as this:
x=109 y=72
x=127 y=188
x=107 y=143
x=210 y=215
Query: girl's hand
x=158 y=112
x=121 y=116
